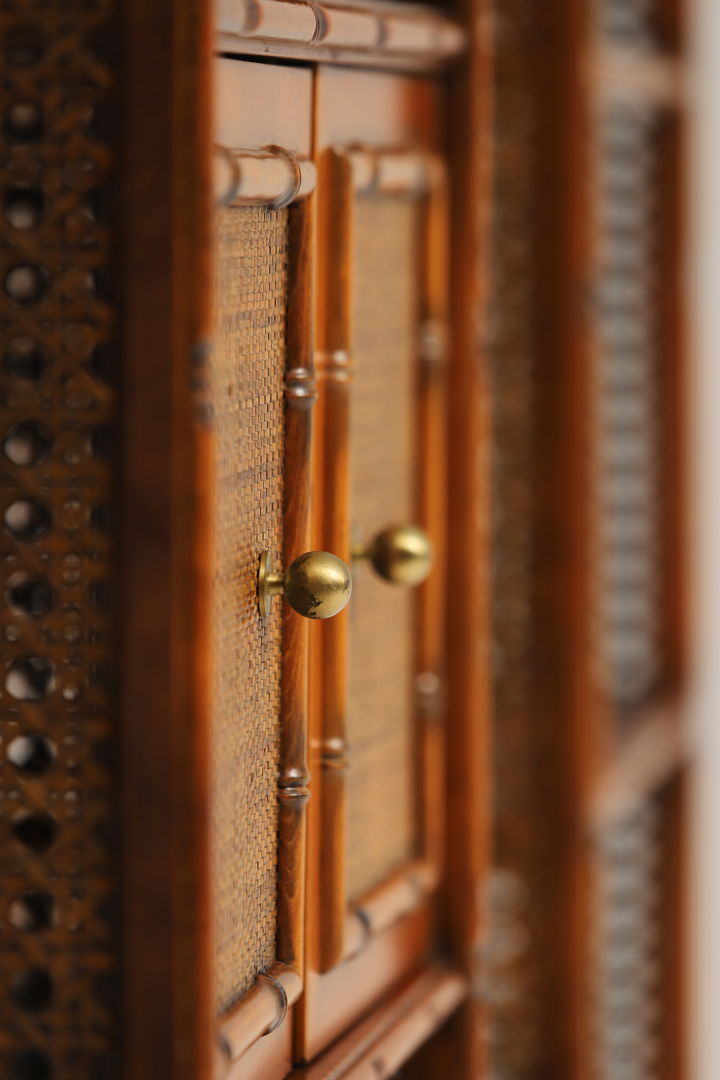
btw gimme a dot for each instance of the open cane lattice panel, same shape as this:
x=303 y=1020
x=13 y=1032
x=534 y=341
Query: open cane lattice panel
x=627 y=970
x=629 y=446
x=57 y=411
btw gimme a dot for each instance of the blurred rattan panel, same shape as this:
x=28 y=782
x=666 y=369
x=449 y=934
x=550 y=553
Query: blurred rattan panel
x=246 y=394
x=630 y=450
x=627 y=968
x=381 y=828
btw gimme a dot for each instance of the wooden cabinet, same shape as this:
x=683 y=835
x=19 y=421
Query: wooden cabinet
x=396 y=286
x=327 y=391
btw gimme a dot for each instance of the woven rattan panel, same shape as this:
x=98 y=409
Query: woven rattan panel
x=629 y=442
x=58 y=859
x=247 y=369
x=628 y=23
x=627 y=961
x=380 y=827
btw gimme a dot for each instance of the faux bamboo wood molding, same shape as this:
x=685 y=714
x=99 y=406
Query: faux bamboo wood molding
x=350 y=172
x=263 y=176
x=260 y=1011
x=397 y=897
x=385 y=1040
x=363 y=33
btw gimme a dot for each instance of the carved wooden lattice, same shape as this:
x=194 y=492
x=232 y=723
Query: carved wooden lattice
x=57 y=406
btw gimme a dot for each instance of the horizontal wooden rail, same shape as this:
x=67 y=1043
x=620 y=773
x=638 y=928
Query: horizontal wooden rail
x=378 y=1046
x=399 y=896
x=338 y=32
x=267 y=176
x=258 y=1012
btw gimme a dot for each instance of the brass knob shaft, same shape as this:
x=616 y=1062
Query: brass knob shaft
x=400 y=554
x=317 y=584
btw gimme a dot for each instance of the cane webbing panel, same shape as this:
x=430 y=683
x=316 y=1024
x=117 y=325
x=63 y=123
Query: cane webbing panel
x=380 y=829
x=629 y=442
x=58 y=801
x=628 y=23
x=246 y=391
x=627 y=962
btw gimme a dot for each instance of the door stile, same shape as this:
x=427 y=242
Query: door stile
x=334 y=367
x=432 y=442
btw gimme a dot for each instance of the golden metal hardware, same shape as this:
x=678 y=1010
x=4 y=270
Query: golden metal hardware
x=317 y=584
x=400 y=554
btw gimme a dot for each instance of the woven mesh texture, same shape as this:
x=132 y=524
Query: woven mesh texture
x=628 y=23
x=629 y=446
x=59 y=864
x=380 y=830
x=627 y=965
x=246 y=391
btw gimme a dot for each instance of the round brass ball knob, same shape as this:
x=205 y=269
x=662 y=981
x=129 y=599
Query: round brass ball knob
x=317 y=584
x=400 y=554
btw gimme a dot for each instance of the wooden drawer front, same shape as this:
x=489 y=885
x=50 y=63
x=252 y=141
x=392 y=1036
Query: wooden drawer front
x=246 y=398
x=382 y=748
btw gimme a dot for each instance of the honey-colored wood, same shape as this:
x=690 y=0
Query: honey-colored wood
x=462 y=925
x=261 y=1011
x=334 y=366
x=267 y=1007
x=395 y=117
x=281 y=113
x=381 y=1044
x=387 y=34
x=335 y=1001
x=343 y=934
x=269 y=177
x=164 y=259
x=433 y=341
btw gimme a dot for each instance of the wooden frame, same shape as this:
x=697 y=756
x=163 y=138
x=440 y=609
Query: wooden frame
x=345 y=932
x=367 y=33
x=619 y=771
x=164 y=255
x=355 y=956
x=275 y=177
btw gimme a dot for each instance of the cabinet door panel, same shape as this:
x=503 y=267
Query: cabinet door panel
x=246 y=394
x=377 y=669
x=381 y=736
x=259 y=395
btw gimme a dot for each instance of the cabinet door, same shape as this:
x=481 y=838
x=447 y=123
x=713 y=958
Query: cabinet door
x=259 y=393
x=376 y=682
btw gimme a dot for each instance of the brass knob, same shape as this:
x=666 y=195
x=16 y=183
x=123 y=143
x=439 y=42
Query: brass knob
x=317 y=584
x=401 y=554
